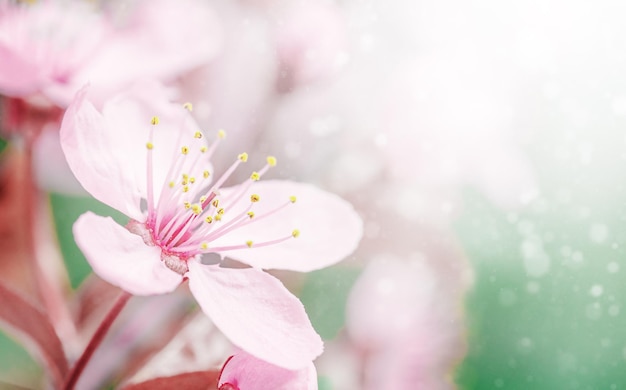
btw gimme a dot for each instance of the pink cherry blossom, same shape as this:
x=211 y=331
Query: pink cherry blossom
x=245 y=372
x=404 y=315
x=52 y=48
x=157 y=171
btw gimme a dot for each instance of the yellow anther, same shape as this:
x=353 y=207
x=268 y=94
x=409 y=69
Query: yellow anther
x=292 y=199
x=196 y=208
x=192 y=180
x=208 y=219
x=155 y=120
x=271 y=161
x=205 y=174
x=185 y=188
x=188 y=106
x=251 y=214
x=202 y=199
x=221 y=134
x=149 y=145
x=203 y=149
x=184 y=150
x=254 y=198
x=187 y=205
x=255 y=176
x=172 y=184
x=243 y=157
x=198 y=134
x=249 y=243
x=218 y=217
x=204 y=245
x=220 y=211
x=295 y=233
x=185 y=181
x=216 y=203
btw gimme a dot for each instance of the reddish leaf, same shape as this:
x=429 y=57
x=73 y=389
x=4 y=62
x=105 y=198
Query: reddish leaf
x=199 y=380
x=92 y=300
x=30 y=262
x=16 y=257
x=33 y=328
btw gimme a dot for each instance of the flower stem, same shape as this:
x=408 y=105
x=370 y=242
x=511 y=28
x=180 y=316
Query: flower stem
x=95 y=341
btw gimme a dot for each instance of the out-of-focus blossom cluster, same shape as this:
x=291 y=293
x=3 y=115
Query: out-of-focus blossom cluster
x=367 y=99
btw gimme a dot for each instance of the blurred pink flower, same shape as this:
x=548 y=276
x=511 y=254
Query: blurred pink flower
x=160 y=175
x=52 y=48
x=293 y=45
x=405 y=315
x=310 y=40
x=245 y=372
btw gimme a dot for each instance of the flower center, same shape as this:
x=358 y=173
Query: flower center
x=190 y=211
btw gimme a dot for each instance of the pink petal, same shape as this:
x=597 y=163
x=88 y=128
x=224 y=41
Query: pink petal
x=51 y=169
x=122 y=258
x=107 y=152
x=87 y=144
x=330 y=229
x=257 y=313
x=247 y=372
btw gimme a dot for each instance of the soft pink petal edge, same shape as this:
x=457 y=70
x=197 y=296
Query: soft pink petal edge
x=91 y=158
x=257 y=313
x=122 y=258
x=330 y=229
x=250 y=373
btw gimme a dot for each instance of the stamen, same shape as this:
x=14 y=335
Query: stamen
x=149 y=167
x=243 y=157
x=197 y=210
x=256 y=176
x=169 y=192
x=188 y=106
x=249 y=244
x=186 y=219
x=220 y=136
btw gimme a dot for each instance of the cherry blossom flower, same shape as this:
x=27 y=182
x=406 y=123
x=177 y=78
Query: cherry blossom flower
x=157 y=171
x=245 y=372
x=52 y=48
x=404 y=313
